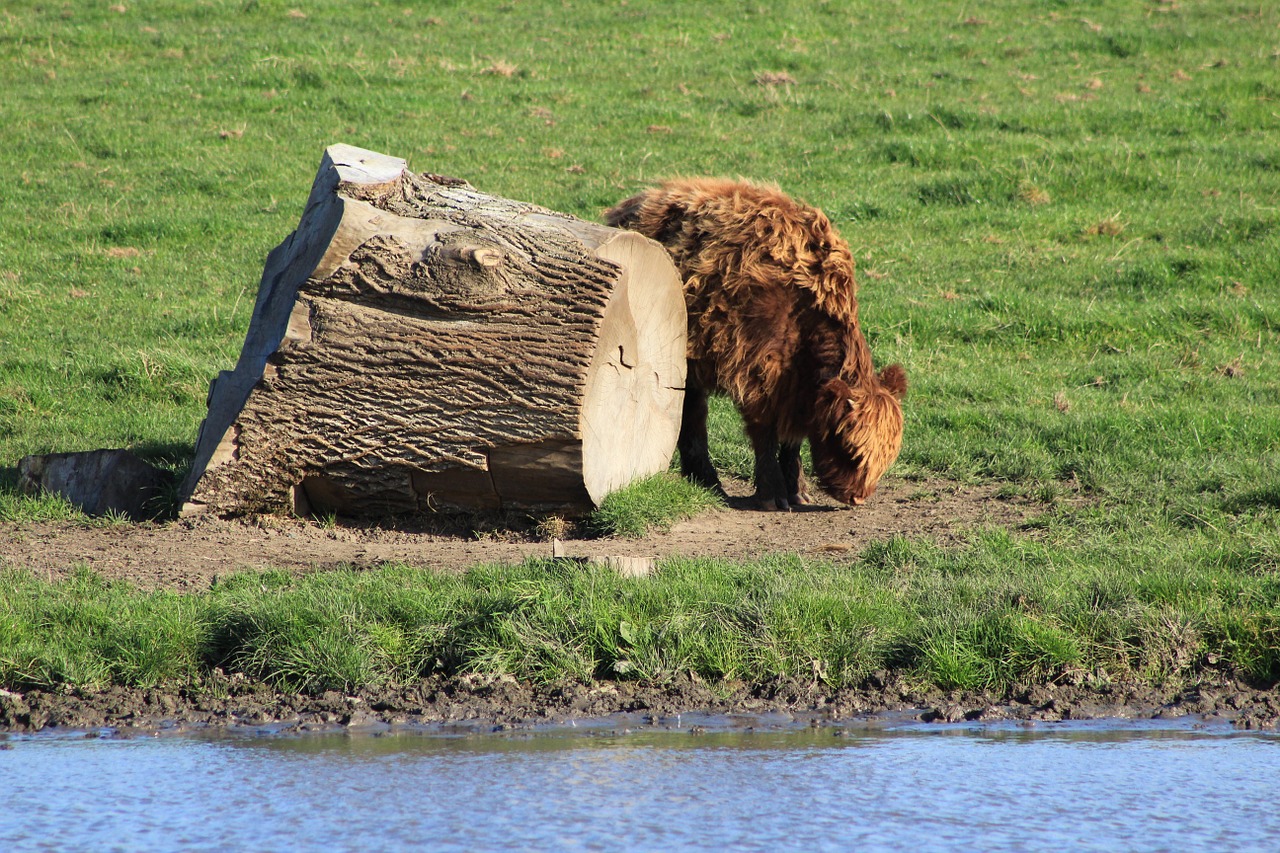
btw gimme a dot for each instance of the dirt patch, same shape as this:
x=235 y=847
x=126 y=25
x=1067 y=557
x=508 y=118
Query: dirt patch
x=188 y=554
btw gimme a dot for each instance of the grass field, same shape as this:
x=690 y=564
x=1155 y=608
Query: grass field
x=1066 y=217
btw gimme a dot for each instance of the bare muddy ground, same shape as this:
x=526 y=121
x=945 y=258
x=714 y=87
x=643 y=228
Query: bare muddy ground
x=188 y=554
x=476 y=704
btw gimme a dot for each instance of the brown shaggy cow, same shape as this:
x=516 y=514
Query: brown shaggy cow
x=773 y=323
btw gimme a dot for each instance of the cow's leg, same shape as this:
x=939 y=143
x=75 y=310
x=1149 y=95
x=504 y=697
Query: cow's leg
x=771 y=487
x=695 y=458
x=797 y=490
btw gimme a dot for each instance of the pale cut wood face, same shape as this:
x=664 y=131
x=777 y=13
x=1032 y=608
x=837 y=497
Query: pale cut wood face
x=635 y=385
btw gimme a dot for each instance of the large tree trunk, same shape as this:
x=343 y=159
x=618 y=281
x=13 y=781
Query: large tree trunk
x=416 y=343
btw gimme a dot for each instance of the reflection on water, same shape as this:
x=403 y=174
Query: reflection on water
x=1073 y=787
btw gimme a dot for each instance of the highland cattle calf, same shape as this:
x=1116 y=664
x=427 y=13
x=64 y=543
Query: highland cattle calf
x=773 y=323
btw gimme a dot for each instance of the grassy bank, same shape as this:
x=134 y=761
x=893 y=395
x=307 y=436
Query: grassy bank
x=1066 y=218
x=998 y=613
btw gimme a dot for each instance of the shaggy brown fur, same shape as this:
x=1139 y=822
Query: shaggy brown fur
x=773 y=323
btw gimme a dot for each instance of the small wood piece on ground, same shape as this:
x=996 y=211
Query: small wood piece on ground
x=628 y=567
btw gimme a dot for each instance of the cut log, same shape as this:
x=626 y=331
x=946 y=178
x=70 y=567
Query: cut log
x=419 y=344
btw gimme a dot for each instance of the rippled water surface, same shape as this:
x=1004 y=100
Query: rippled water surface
x=1073 y=787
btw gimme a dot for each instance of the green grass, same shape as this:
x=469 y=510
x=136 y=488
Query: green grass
x=1066 y=218
x=994 y=615
x=652 y=503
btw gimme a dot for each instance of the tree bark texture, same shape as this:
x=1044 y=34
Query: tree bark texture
x=418 y=344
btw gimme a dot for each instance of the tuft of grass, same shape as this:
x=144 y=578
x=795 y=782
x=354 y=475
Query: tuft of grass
x=651 y=503
x=1109 y=227
x=552 y=527
x=1032 y=194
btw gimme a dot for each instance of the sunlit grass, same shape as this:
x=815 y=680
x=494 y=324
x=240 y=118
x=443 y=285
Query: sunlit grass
x=995 y=614
x=652 y=503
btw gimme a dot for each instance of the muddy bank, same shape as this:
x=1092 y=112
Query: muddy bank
x=480 y=704
x=189 y=555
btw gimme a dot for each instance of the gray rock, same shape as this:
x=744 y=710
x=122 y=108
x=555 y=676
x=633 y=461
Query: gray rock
x=99 y=481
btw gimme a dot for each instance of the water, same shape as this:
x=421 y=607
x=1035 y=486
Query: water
x=1068 y=787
